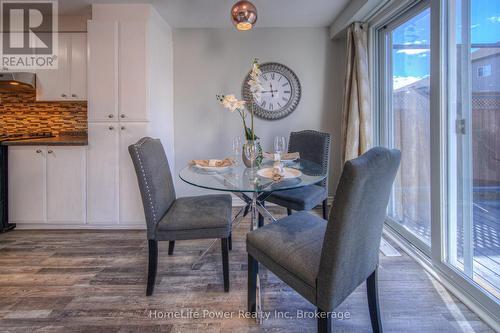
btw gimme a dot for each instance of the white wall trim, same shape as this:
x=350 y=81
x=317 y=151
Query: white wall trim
x=67 y=226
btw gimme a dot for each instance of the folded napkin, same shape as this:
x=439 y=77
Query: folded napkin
x=285 y=156
x=278 y=172
x=213 y=163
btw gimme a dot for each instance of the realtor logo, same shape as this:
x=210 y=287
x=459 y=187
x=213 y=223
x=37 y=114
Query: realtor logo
x=29 y=34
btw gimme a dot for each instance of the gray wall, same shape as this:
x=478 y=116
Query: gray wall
x=212 y=61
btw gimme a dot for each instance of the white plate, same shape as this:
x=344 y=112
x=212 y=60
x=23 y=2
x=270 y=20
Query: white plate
x=288 y=173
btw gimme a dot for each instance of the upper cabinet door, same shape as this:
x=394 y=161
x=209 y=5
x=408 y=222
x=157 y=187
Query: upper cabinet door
x=102 y=70
x=53 y=84
x=65 y=184
x=78 y=67
x=133 y=71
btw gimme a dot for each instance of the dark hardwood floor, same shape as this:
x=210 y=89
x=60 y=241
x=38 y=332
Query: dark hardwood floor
x=95 y=281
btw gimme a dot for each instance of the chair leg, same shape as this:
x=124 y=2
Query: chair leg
x=225 y=262
x=289 y=211
x=373 y=304
x=324 y=322
x=253 y=267
x=325 y=209
x=171 y=245
x=261 y=218
x=230 y=241
x=153 y=263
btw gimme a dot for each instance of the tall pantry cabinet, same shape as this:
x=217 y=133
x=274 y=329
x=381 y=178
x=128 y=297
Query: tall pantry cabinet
x=130 y=56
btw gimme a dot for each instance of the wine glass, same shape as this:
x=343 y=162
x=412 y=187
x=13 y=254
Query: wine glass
x=251 y=150
x=237 y=149
x=279 y=147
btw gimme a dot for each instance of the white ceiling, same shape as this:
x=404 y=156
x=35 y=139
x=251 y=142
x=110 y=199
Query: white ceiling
x=215 y=13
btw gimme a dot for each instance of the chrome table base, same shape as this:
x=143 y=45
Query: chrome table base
x=254 y=206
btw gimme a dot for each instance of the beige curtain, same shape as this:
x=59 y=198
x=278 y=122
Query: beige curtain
x=356 y=113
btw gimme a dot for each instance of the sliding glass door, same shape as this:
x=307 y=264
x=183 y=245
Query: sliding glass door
x=473 y=228
x=437 y=93
x=405 y=58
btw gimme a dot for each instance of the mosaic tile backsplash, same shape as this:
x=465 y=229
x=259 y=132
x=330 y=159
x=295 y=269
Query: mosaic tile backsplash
x=21 y=113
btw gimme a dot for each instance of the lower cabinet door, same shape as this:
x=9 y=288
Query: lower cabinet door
x=65 y=184
x=27 y=184
x=131 y=209
x=102 y=173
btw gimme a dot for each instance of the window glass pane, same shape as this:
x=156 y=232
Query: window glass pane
x=409 y=51
x=474 y=141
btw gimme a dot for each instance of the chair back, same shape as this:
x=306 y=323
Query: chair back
x=155 y=180
x=351 y=245
x=313 y=146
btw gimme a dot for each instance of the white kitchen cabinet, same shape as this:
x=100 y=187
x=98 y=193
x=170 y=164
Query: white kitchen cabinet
x=103 y=70
x=133 y=70
x=65 y=184
x=78 y=67
x=53 y=84
x=113 y=195
x=102 y=173
x=130 y=53
x=47 y=184
x=131 y=209
x=27 y=184
x=69 y=80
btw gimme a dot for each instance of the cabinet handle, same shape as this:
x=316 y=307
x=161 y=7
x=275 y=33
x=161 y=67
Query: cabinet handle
x=73 y=95
x=123 y=128
x=122 y=115
x=111 y=128
x=50 y=151
x=110 y=116
x=63 y=95
x=38 y=151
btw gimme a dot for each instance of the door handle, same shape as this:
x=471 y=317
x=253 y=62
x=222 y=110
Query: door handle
x=110 y=116
x=50 y=151
x=63 y=95
x=111 y=128
x=38 y=151
x=122 y=115
x=73 y=95
x=123 y=128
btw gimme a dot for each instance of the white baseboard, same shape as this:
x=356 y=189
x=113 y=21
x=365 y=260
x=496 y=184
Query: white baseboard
x=62 y=226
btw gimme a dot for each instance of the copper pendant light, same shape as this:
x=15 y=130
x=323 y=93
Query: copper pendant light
x=244 y=15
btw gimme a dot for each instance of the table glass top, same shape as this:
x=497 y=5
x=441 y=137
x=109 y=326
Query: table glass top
x=242 y=179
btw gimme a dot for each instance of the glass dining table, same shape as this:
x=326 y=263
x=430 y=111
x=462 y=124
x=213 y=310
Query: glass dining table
x=249 y=186
x=252 y=189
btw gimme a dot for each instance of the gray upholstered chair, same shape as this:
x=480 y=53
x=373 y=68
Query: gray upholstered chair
x=313 y=146
x=326 y=261
x=169 y=218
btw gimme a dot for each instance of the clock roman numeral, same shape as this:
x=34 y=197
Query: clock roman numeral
x=265 y=77
x=271 y=106
x=263 y=104
x=272 y=76
x=285 y=84
x=281 y=76
x=279 y=105
x=284 y=99
x=287 y=91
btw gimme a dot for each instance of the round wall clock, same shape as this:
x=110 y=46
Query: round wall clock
x=280 y=94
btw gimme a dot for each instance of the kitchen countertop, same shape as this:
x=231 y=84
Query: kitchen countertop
x=66 y=140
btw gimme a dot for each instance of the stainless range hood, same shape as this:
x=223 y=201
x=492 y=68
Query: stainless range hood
x=17 y=82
